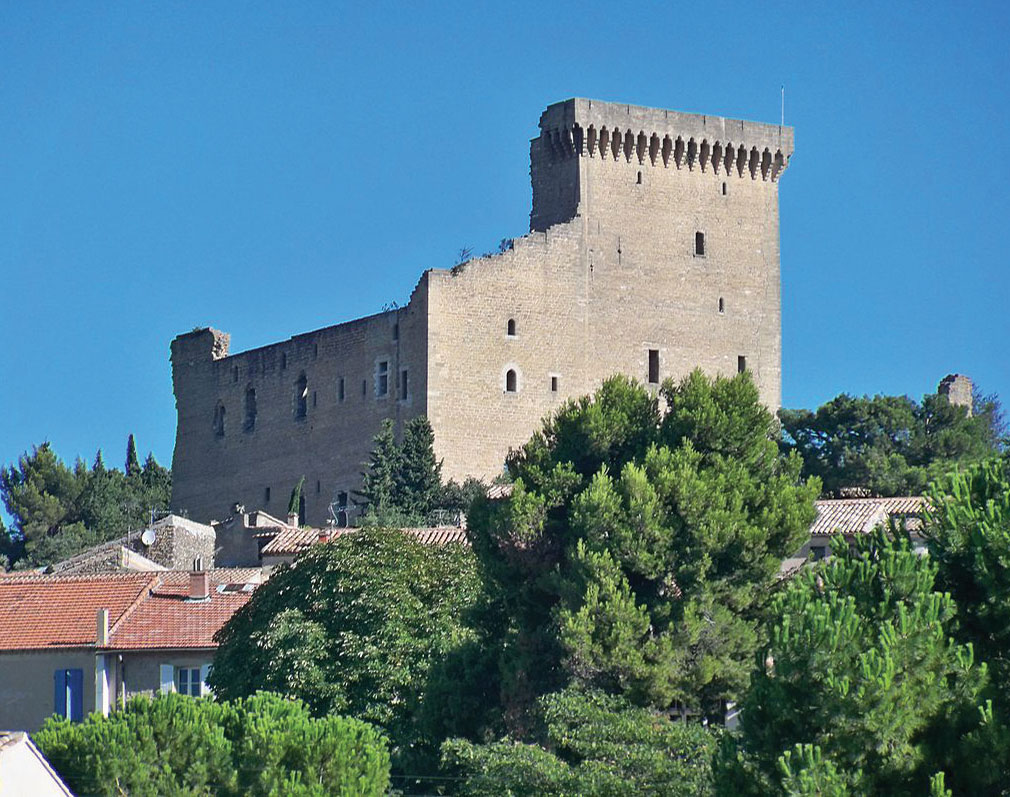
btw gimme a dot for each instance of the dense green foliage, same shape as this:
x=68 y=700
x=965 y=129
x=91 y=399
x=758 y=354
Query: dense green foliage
x=591 y=743
x=354 y=627
x=59 y=511
x=176 y=745
x=861 y=666
x=636 y=545
x=402 y=485
x=890 y=445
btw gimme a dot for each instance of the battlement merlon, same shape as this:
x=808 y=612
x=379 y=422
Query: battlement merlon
x=591 y=128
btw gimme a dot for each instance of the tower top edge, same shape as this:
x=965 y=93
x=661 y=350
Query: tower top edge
x=586 y=112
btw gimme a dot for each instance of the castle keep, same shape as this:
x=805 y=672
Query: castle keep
x=653 y=249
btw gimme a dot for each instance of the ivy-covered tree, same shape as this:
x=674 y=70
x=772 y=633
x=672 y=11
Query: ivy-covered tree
x=860 y=682
x=591 y=743
x=891 y=445
x=172 y=744
x=637 y=544
x=354 y=627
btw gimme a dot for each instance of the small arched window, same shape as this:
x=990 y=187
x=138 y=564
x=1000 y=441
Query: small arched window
x=511 y=381
x=301 y=396
x=219 y=420
x=250 y=409
x=510 y=328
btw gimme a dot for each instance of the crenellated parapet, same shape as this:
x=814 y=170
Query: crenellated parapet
x=581 y=128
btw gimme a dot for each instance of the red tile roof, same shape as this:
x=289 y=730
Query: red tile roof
x=38 y=611
x=148 y=610
x=166 y=618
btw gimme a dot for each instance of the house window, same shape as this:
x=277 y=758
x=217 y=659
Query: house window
x=382 y=378
x=68 y=694
x=510 y=328
x=511 y=381
x=301 y=396
x=741 y=364
x=403 y=385
x=250 y=409
x=340 y=389
x=653 y=366
x=187 y=681
x=219 y=420
x=699 y=244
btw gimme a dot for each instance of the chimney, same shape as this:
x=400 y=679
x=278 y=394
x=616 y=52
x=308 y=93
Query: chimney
x=324 y=535
x=102 y=635
x=199 y=585
x=292 y=518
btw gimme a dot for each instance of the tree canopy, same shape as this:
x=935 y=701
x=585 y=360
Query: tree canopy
x=176 y=745
x=860 y=684
x=891 y=445
x=591 y=743
x=354 y=626
x=58 y=511
x=637 y=544
x=402 y=484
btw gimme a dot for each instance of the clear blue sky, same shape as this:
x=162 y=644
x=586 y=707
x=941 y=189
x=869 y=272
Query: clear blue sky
x=273 y=168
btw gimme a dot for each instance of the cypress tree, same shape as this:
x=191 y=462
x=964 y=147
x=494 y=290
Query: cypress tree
x=132 y=460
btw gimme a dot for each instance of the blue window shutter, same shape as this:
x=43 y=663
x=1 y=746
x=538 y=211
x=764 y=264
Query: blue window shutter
x=76 y=679
x=60 y=693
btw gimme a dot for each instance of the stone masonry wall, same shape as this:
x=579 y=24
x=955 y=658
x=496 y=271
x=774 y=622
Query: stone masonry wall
x=609 y=272
x=258 y=464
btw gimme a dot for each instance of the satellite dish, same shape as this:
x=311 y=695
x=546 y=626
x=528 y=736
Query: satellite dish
x=148 y=537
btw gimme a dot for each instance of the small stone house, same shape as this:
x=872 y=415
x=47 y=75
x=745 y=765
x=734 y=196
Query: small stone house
x=71 y=645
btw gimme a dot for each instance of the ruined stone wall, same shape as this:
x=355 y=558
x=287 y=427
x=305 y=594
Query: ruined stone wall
x=611 y=270
x=257 y=463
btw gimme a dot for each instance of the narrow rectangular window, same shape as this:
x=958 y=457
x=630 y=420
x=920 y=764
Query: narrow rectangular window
x=396 y=331
x=266 y=495
x=364 y=387
x=554 y=384
x=653 y=366
x=699 y=244
x=340 y=389
x=741 y=364
x=403 y=385
x=382 y=378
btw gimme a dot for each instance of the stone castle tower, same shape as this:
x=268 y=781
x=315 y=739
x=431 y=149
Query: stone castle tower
x=653 y=249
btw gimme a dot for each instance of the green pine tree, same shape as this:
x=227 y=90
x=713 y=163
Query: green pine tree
x=418 y=481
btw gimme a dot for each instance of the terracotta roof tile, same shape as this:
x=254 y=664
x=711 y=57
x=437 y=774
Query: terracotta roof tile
x=295 y=541
x=862 y=515
x=40 y=611
x=166 y=618
x=147 y=610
